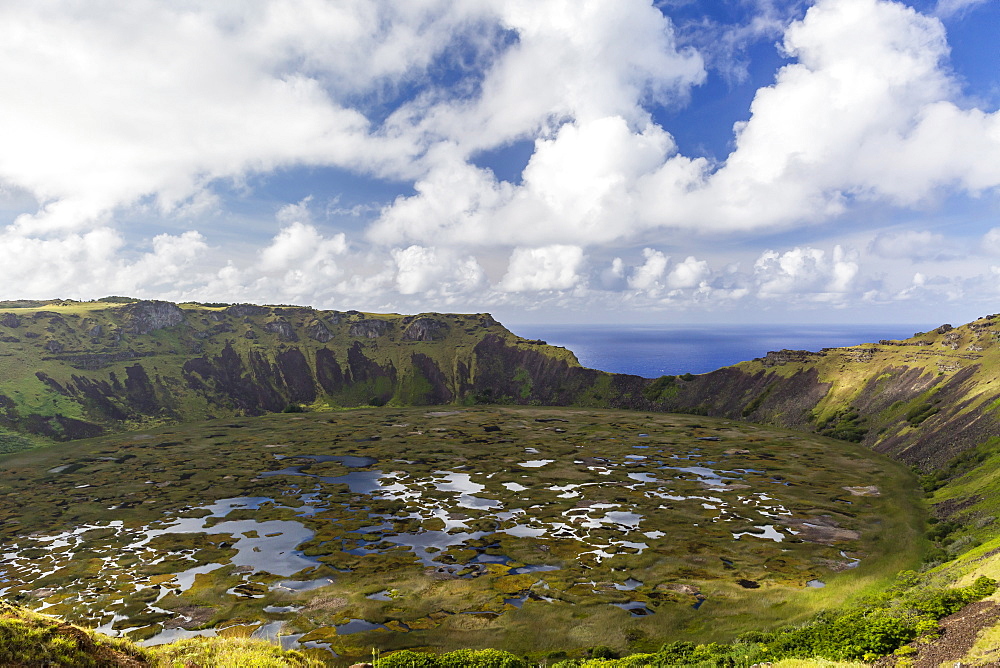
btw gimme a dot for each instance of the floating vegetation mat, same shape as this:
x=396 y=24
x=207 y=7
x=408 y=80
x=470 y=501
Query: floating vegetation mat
x=530 y=529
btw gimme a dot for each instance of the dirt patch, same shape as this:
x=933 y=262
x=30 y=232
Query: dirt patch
x=868 y=490
x=960 y=631
x=821 y=530
x=325 y=603
x=192 y=617
x=946 y=509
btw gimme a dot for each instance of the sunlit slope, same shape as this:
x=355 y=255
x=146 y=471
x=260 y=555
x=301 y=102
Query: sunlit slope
x=74 y=370
x=922 y=400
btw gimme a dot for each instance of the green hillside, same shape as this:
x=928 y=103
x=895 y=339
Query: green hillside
x=171 y=408
x=75 y=370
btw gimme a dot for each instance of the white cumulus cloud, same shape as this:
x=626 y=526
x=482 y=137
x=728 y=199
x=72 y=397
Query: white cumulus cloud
x=553 y=267
x=807 y=273
x=431 y=271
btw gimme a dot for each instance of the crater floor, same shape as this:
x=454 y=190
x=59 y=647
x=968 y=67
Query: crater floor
x=530 y=529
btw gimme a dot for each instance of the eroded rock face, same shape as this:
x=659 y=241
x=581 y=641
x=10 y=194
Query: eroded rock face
x=282 y=328
x=425 y=329
x=148 y=316
x=242 y=310
x=10 y=320
x=318 y=331
x=776 y=357
x=370 y=328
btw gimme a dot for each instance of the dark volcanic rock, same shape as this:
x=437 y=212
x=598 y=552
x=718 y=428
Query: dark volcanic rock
x=148 y=316
x=10 y=320
x=369 y=328
x=140 y=392
x=53 y=346
x=317 y=331
x=512 y=374
x=425 y=329
x=93 y=361
x=248 y=386
x=439 y=392
x=367 y=371
x=242 y=310
x=328 y=372
x=297 y=375
x=282 y=328
x=774 y=358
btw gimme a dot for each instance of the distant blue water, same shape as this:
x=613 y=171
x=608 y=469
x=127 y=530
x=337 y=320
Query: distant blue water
x=653 y=351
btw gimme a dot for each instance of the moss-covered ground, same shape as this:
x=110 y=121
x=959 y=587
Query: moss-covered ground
x=532 y=530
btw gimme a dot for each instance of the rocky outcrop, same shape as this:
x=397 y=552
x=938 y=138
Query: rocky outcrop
x=10 y=320
x=317 y=331
x=425 y=329
x=244 y=310
x=775 y=358
x=148 y=316
x=370 y=328
x=282 y=328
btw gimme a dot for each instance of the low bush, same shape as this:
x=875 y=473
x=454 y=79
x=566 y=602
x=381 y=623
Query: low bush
x=462 y=658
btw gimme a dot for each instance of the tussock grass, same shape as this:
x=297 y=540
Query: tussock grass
x=243 y=652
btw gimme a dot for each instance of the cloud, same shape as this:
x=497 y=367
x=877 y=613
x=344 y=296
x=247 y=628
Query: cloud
x=806 y=273
x=548 y=268
x=432 y=272
x=991 y=241
x=949 y=8
x=93 y=264
x=688 y=274
x=863 y=114
x=100 y=129
x=913 y=245
x=648 y=276
x=299 y=249
x=725 y=46
x=93 y=118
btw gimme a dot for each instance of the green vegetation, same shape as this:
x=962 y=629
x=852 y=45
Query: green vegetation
x=572 y=535
x=30 y=639
x=874 y=627
x=228 y=652
x=661 y=388
x=643 y=525
x=847 y=425
x=462 y=658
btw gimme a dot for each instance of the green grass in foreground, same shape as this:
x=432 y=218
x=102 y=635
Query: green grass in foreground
x=30 y=639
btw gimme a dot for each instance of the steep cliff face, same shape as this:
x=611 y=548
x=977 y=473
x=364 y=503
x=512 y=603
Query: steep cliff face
x=72 y=370
x=921 y=400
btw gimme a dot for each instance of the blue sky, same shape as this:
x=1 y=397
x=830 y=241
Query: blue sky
x=678 y=161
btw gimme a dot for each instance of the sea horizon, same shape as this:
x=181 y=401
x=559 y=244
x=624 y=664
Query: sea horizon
x=656 y=350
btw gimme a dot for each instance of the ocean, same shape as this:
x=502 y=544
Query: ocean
x=655 y=350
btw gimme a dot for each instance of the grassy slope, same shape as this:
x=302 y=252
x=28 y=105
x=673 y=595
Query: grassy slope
x=922 y=400
x=944 y=384
x=31 y=639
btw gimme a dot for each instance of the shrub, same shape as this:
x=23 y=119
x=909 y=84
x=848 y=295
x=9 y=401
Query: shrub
x=480 y=658
x=602 y=652
x=407 y=659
